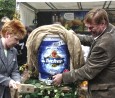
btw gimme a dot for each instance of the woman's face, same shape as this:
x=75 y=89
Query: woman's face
x=11 y=40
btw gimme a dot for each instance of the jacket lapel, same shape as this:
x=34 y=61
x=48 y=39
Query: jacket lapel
x=93 y=44
x=6 y=60
x=2 y=54
x=10 y=56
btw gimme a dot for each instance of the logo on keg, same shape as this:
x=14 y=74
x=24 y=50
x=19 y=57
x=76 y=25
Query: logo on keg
x=54 y=59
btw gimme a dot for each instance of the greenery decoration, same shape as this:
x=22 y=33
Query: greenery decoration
x=7 y=8
x=43 y=90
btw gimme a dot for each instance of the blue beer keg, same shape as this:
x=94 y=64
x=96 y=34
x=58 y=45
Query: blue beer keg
x=53 y=57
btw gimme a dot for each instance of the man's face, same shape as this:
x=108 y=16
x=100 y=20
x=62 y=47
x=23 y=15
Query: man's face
x=95 y=29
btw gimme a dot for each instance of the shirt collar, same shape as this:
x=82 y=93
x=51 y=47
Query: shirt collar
x=95 y=38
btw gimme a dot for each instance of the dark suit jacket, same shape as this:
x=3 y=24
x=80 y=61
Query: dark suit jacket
x=100 y=66
x=8 y=70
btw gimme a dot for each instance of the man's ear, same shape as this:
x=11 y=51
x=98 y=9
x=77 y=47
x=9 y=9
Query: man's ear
x=103 y=22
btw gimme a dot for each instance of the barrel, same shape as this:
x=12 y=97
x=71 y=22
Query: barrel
x=53 y=57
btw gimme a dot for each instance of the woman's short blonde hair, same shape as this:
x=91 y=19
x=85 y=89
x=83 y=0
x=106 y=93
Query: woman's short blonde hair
x=14 y=27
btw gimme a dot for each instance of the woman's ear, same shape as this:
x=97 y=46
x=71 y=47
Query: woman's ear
x=7 y=35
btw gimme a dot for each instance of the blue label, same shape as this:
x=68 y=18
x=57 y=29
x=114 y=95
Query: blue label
x=53 y=57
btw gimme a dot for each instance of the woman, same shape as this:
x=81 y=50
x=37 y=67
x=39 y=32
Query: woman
x=11 y=33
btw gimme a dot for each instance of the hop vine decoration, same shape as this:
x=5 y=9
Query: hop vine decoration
x=16 y=15
x=25 y=73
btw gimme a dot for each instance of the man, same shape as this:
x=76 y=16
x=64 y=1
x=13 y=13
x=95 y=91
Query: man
x=11 y=33
x=21 y=48
x=99 y=68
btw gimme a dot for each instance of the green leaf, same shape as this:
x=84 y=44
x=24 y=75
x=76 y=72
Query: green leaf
x=46 y=97
x=27 y=96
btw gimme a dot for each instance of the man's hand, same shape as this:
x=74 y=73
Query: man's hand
x=57 y=79
x=13 y=84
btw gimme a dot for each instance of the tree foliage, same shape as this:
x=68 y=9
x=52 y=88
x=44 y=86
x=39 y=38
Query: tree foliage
x=7 y=8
